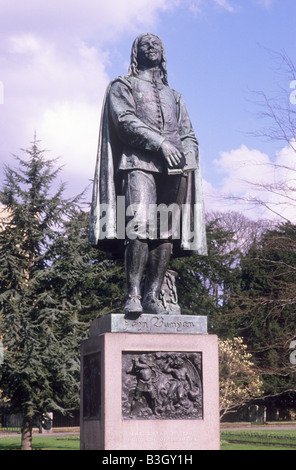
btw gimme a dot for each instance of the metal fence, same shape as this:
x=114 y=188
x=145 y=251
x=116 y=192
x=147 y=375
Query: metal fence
x=12 y=422
x=66 y=421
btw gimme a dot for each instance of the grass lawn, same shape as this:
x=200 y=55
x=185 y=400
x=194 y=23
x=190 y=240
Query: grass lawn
x=258 y=440
x=235 y=446
x=230 y=440
x=42 y=443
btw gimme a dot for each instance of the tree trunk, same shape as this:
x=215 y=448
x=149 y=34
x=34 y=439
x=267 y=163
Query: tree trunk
x=27 y=433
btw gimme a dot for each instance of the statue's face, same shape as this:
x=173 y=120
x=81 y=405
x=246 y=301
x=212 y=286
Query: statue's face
x=149 y=51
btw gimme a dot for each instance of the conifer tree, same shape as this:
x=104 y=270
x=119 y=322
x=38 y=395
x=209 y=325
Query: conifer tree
x=82 y=276
x=269 y=298
x=41 y=336
x=205 y=282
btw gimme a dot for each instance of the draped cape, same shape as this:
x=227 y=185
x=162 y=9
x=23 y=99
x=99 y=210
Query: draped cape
x=103 y=225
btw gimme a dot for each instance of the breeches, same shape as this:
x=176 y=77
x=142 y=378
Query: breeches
x=153 y=203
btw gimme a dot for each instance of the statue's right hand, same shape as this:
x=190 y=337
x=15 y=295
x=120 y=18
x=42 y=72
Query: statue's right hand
x=171 y=154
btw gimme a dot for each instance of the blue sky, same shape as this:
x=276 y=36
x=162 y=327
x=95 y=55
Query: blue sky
x=57 y=57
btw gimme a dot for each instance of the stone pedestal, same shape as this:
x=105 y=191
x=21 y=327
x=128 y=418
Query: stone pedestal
x=148 y=390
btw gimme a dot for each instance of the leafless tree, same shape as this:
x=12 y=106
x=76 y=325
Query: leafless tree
x=277 y=112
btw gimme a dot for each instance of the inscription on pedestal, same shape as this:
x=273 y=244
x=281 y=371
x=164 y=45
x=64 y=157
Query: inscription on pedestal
x=159 y=323
x=162 y=385
x=92 y=386
x=148 y=323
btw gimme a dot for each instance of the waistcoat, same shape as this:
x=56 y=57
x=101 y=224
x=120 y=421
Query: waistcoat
x=155 y=105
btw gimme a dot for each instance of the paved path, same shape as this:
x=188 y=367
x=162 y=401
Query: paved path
x=224 y=427
x=257 y=427
x=43 y=434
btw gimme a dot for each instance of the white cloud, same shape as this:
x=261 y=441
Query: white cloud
x=199 y=6
x=225 y=4
x=253 y=182
x=24 y=44
x=88 y=18
x=55 y=94
x=53 y=58
x=264 y=3
x=73 y=126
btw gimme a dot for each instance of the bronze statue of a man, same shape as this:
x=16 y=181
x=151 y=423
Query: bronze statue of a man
x=147 y=157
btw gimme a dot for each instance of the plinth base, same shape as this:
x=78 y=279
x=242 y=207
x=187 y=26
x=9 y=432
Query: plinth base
x=149 y=323
x=149 y=392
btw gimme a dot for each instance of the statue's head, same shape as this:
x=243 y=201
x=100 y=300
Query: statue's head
x=148 y=51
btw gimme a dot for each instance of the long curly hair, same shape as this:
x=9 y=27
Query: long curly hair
x=133 y=68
